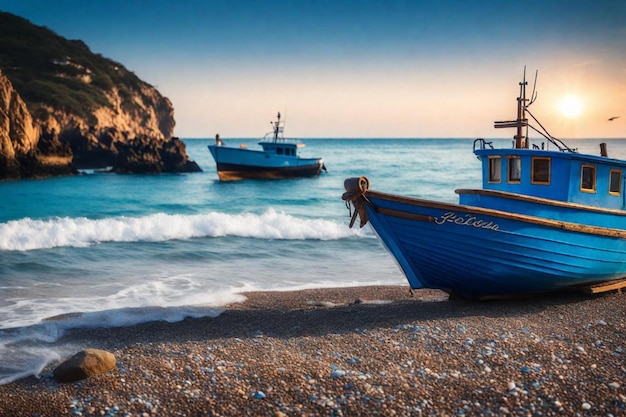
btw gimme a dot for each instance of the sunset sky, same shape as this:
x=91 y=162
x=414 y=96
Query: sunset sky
x=341 y=68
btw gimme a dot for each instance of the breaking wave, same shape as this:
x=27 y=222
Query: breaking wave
x=28 y=234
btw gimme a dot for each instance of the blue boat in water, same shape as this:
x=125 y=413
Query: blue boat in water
x=278 y=159
x=547 y=218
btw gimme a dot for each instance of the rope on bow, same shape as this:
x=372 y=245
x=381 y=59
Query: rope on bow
x=355 y=194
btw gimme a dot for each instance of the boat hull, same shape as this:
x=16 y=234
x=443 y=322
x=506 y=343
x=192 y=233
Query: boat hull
x=233 y=172
x=480 y=253
x=241 y=163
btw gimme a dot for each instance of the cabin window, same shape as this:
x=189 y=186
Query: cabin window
x=279 y=151
x=515 y=169
x=615 y=182
x=588 y=178
x=541 y=171
x=495 y=169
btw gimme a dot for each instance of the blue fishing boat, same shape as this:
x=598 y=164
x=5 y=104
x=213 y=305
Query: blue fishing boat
x=547 y=218
x=278 y=159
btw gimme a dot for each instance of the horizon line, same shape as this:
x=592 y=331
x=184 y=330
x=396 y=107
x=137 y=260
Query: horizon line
x=396 y=137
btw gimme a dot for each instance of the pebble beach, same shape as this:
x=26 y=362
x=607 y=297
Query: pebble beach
x=359 y=351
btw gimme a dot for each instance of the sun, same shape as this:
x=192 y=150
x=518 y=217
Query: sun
x=571 y=106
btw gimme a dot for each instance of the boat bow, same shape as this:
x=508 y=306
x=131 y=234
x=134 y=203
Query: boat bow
x=356 y=188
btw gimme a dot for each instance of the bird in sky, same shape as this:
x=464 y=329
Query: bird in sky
x=613 y=118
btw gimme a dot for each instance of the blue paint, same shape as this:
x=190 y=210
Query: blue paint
x=544 y=220
x=278 y=159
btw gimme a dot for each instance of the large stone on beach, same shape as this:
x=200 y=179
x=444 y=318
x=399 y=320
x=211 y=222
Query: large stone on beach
x=85 y=364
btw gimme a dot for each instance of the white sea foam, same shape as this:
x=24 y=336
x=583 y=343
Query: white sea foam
x=26 y=350
x=29 y=234
x=123 y=303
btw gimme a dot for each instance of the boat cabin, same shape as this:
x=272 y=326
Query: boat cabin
x=274 y=144
x=281 y=148
x=562 y=176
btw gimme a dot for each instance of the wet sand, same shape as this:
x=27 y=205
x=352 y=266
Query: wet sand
x=354 y=351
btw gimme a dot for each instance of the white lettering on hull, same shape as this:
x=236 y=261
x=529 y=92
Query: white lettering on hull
x=466 y=220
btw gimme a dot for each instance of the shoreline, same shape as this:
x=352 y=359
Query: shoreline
x=353 y=351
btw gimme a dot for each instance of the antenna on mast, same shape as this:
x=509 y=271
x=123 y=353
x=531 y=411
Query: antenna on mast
x=533 y=96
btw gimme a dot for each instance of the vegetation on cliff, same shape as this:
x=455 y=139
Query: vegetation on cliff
x=47 y=68
x=82 y=102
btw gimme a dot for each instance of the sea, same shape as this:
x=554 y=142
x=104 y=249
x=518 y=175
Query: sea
x=107 y=250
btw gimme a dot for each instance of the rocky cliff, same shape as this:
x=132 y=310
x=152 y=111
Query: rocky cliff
x=63 y=108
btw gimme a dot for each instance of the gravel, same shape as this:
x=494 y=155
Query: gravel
x=354 y=351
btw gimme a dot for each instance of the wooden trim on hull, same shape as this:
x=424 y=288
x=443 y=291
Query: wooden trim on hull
x=605 y=286
x=574 y=227
x=230 y=172
x=405 y=215
x=539 y=200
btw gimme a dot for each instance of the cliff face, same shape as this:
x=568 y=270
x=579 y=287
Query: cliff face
x=21 y=155
x=18 y=134
x=64 y=108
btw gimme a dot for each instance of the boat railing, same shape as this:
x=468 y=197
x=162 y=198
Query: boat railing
x=482 y=143
x=272 y=137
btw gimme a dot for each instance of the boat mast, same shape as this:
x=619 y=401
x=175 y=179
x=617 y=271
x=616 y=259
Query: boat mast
x=520 y=138
x=277 y=128
x=521 y=122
